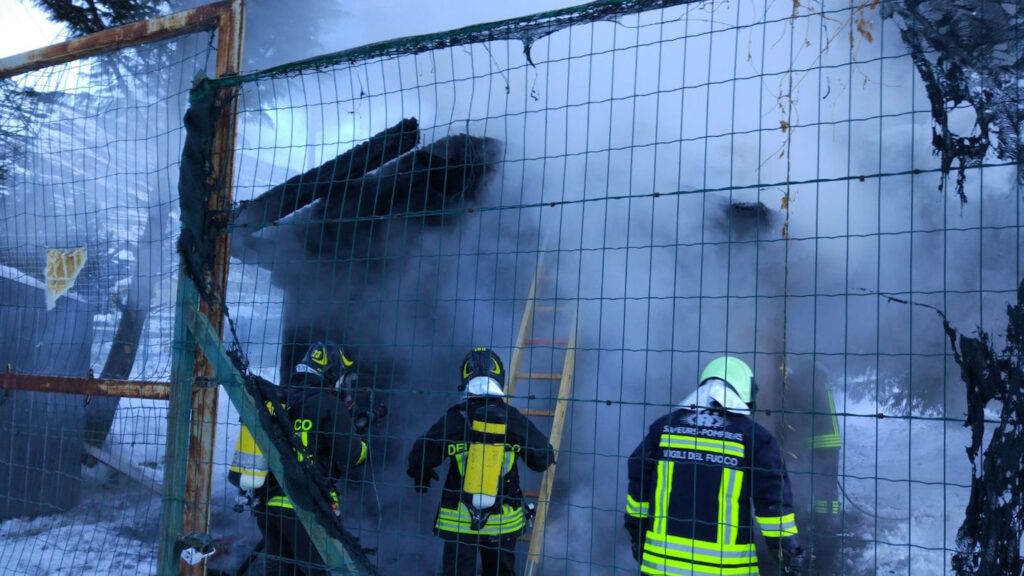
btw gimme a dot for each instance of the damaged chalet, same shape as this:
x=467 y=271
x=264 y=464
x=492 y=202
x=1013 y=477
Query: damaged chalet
x=328 y=234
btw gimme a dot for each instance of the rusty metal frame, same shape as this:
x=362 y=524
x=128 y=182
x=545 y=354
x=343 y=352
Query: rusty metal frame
x=194 y=407
x=202 y=431
x=87 y=386
x=201 y=18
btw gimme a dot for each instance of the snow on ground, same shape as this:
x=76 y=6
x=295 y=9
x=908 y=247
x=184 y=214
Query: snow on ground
x=112 y=531
x=912 y=478
x=914 y=472
x=115 y=527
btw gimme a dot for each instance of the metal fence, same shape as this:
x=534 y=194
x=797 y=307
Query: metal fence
x=609 y=196
x=92 y=139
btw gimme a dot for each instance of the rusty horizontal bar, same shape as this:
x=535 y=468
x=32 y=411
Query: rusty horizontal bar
x=537 y=412
x=87 y=386
x=200 y=18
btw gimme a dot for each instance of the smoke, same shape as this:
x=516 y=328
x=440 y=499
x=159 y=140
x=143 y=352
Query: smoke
x=626 y=149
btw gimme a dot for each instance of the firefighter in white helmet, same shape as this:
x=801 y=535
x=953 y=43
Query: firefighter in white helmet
x=697 y=475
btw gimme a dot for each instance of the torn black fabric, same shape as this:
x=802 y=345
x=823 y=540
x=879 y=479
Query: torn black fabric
x=988 y=541
x=309 y=488
x=196 y=183
x=968 y=53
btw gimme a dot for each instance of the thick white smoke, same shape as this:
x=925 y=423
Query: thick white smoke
x=706 y=107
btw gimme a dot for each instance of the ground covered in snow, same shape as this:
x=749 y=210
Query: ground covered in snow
x=906 y=480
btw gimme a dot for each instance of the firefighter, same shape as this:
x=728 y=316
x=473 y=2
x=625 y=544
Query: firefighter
x=248 y=470
x=692 y=479
x=484 y=438
x=324 y=426
x=825 y=444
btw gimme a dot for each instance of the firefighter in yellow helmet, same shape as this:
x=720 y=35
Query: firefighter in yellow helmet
x=484 y=439
x=323 y=424
x=694 y=476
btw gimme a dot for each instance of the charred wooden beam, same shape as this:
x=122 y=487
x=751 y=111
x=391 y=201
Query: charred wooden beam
x=86 y=386
x=301 y=190
x=427 y=183
x=432 y=184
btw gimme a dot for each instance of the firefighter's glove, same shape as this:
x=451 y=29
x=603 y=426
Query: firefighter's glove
x=793 y=561
x=422 y=480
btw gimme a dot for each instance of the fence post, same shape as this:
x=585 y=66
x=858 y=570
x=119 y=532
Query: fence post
x=204 y=399
x=178 y=413
x=334 y=553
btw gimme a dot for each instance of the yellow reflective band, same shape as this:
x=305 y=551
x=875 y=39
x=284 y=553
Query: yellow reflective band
x=699 y=551
x=679 y=541
x=281 y=502
x=636 y=509
x=713 y=445
x=488 y=427
x=826 y=507
x=777 y=526
x=459 y=521
x=826 y=441
x=460 y=460
x=662 y=491
x=728 y=505
x=248 y=471
x=683 y=568
x=362 y=453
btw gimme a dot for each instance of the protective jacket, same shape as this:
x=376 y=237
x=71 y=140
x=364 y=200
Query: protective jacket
x=691 y=483
x=483 y=438
x=324 y=426
x=826 y=442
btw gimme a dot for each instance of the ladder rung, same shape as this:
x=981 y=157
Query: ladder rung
x=531 y=494
x=539 y=375
x=550 y=308
x=546 y=342
x=537 y=412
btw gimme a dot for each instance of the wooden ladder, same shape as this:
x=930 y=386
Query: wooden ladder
x=561 y=403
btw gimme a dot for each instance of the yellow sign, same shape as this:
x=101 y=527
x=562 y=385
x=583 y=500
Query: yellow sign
x=62 y=268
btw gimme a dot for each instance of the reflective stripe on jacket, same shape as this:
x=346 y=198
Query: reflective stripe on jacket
x=510 y=521
x=691 y=483
x=485 y=421
x=282 y=501
x=323 y=425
